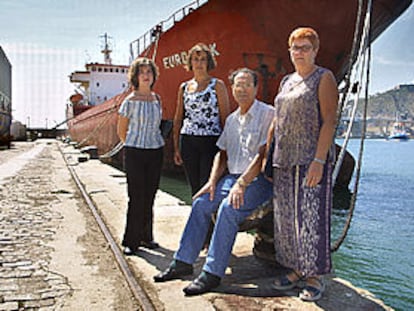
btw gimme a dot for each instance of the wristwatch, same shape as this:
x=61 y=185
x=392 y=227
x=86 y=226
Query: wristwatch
x=320 y=161
x=241 y=182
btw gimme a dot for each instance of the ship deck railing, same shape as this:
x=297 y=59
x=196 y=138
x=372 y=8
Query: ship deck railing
x=138 y=46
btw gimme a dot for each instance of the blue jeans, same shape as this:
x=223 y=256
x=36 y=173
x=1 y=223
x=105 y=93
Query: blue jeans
x=226 y=226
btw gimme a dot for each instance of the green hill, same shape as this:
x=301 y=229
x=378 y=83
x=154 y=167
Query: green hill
x=396 y=102
x=383 y=109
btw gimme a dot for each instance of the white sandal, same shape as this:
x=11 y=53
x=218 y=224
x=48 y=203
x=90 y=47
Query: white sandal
x=312 y=293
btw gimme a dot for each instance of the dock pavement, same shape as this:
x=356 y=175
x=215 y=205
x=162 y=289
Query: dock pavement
x=247 y=284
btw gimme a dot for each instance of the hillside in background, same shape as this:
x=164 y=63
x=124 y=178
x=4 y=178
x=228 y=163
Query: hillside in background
x=396 y=102
x=383 y=110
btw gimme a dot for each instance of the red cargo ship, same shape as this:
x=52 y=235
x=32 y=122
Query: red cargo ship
x=252 y=34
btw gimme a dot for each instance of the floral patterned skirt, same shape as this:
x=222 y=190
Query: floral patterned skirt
x=302 y=220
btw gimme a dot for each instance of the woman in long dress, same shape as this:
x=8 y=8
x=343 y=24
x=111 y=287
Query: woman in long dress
x=304 y=126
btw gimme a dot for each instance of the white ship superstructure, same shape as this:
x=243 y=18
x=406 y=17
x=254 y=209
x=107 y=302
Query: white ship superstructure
x=100 y=81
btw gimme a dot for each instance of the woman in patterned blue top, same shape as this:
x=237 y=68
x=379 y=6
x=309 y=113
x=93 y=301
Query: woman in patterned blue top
x=139 y=121
x=202 y=107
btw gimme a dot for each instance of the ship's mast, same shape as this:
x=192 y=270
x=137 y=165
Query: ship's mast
x=106 y=50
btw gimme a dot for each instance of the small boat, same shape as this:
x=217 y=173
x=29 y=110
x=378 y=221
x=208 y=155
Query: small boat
x=398 y=132
x=250 y=34
x=5 y=99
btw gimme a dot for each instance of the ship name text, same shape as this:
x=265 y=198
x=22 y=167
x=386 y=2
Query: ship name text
x=180 y=59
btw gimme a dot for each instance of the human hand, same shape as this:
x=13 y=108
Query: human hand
x=208 y=187
x=236 y=196
x=314 y=174
x=177 y=158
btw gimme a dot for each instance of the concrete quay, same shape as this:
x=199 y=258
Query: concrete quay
x=68 y=248
x=52 y=255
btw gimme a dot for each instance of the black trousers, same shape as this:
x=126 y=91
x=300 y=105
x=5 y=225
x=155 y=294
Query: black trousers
x=143 y=171
x=198 y=154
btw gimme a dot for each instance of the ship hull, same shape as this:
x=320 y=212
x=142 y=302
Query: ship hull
x=252 y=34
x=401 y=137
x=97 y=126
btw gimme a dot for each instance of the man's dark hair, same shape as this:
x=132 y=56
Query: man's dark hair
x=244 y=70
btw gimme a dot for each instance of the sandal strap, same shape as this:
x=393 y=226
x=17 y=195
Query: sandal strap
x=312 y=293
x=318 y=280
x=293 y=276
x=298 y=275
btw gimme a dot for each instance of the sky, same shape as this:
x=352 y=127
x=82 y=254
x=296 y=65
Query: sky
x=46 y=40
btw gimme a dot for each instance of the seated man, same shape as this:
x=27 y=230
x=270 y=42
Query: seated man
x=233 y=196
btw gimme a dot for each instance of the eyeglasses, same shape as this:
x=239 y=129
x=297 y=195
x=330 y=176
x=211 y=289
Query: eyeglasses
x=243 y=85
x=301 y=48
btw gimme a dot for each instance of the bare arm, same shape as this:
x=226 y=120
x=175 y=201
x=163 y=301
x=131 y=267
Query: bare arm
x=270 y=135
x=123 y=123
x=328 y=102
x=178 y=121
x=223 y=101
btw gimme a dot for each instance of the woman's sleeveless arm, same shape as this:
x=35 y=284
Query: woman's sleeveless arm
x=178 y=122
x=328 y=103
x=222 y=101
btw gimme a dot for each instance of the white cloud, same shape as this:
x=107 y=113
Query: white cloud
x=382 y=60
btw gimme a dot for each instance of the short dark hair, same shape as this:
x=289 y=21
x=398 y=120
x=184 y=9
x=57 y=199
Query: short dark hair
x=253 y=73
x=201 y=47
x=134 y=70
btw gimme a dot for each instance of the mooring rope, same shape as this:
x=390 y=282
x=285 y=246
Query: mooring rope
x=366 y=47
x=98 y=127
x=113 y=151
x=352 y=58
x=359 y=56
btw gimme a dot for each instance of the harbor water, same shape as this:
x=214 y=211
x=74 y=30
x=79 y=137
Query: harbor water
x=378 y=252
